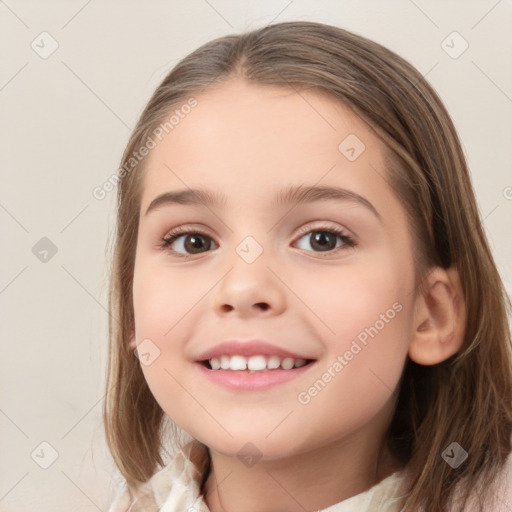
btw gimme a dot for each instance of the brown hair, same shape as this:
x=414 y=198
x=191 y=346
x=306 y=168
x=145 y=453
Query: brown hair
x=466 y=398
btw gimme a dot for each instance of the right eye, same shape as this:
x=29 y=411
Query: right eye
x=186 y=242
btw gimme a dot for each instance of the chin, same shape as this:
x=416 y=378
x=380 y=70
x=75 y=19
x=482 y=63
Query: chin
x=252 y=447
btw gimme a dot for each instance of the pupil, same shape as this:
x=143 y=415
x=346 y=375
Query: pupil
x=193 y=242
x=325 y=241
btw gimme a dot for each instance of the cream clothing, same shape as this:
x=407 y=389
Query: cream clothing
x=177 y=488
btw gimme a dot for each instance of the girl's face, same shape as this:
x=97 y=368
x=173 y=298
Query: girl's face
x=257 y=265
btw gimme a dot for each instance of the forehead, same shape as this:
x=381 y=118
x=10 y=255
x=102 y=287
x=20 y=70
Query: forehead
x=246 y=139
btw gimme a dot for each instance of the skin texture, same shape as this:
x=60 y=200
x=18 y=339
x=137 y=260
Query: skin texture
x=249 y=142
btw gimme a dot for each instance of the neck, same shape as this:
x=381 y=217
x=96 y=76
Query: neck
x=311 y=480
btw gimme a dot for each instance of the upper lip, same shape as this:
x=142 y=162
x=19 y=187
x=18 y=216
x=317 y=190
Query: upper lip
x=247 y=349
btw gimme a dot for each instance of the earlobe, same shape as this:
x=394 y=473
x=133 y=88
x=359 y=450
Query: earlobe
x=132 y=344
x=440 y=318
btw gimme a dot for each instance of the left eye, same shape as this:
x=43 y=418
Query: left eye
x=188 y=243
x=325 y=240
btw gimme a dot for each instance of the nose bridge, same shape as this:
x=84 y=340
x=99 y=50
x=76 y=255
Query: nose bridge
x=250 y=287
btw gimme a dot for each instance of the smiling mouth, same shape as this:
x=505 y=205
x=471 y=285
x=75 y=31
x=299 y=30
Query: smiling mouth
x=254 y=364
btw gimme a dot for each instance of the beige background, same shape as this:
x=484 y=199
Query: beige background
x=64 y=122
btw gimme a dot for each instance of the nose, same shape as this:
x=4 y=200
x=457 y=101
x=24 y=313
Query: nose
x=250 y=289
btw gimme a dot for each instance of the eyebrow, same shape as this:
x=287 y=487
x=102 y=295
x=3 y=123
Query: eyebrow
x=293 y=195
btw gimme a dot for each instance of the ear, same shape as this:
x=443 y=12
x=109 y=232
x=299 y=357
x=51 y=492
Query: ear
x=439 y=318
x=132 y=344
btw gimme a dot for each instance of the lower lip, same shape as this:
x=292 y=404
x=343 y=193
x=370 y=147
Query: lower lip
x=257 y=381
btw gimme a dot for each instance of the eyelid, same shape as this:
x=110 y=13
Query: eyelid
x=185 y=229
x=349 y=240
x=326 y=225
x=304 y=229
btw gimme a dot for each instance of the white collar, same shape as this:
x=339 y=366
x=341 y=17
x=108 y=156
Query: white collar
x=177 y=488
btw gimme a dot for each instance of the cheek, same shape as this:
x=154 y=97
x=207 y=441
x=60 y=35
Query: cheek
x=365 y=320
x=162 y=298
x=362 y=368
x=352 y=298
x=161 y=301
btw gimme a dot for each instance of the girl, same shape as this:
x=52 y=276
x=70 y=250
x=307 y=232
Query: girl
x=302 y=286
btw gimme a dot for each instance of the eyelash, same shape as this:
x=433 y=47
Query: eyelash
x=173 y=235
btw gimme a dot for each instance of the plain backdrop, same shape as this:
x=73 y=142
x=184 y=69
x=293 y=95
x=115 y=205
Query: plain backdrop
x=74 y=77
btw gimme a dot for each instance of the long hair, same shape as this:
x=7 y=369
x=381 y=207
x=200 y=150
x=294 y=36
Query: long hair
x=466 y=398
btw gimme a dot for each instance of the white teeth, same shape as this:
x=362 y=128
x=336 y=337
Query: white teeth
x=255 y=363
x=238 y=363
x=273 y=362
x=215 y=364
x=287 y=363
